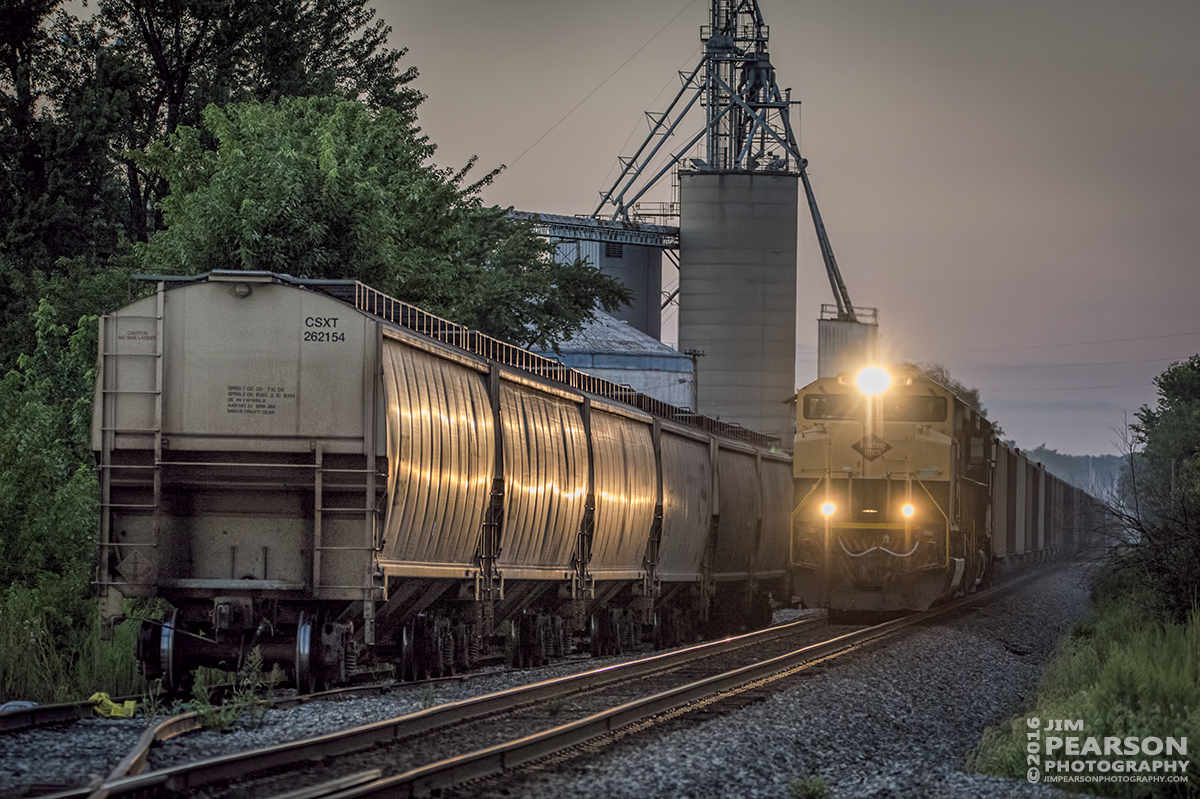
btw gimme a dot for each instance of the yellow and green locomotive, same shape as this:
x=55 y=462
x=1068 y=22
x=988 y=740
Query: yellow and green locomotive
x=904 y=495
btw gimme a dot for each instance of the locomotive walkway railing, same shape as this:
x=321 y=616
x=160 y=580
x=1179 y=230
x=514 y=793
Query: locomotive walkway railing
x=408 y=316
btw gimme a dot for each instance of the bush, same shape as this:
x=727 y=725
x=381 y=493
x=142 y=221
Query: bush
x=1122 y=675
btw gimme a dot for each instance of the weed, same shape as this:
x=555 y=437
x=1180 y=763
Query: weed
x=811 y=787
x=152 y=704
x=250 y=693
x=428 y=699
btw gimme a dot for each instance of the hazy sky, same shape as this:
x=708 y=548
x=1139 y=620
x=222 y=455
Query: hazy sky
x=1014 y=184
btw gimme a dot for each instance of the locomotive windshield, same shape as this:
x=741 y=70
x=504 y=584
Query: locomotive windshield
x=896 y=408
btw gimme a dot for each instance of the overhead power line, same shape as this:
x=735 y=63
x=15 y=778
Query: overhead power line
x=606 y=80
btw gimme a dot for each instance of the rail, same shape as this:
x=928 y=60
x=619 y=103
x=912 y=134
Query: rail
x=189 y=777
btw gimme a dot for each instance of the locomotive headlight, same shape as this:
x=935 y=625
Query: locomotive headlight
x=828 y=509
x=873 y=380
x=907 y=510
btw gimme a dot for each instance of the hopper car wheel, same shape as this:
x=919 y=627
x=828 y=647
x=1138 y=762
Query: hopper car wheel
x=601 y=630
x=449 y=648
x=981 y=568
x=543 y=642
x=305 y=673
x=462 y=651
x=615 y=633
x=306 y=680
x=168 y=654
x=407 y=665
x=559 y=630
x=429 y=649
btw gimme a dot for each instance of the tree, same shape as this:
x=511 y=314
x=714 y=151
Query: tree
x=327 y=188
x=77 y=96
x=1159 y=511
x=184 y=55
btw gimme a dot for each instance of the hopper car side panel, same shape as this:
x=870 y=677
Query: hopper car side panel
x=441 y=458
x=546 y=475
x=687 y=506
x=626 y=488
x=772 y=556
x=740 y=514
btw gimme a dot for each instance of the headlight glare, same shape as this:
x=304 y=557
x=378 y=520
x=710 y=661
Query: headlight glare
x=873 y=380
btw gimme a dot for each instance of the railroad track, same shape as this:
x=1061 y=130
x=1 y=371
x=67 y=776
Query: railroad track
x=192 y=777
x=438 y=748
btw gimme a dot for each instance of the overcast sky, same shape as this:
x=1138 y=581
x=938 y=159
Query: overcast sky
x=1014 y=184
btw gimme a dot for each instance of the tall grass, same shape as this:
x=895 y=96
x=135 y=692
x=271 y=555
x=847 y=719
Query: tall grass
x=1122 y=675
x=45 y=660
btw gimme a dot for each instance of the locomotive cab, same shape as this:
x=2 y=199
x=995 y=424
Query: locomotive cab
x=887 y=468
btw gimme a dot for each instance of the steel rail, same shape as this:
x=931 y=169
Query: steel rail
x=496 y=760
x=182 y=778
x=41 y=715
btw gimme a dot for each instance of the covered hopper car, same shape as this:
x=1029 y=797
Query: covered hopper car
x=905 y=495
x=334 y=477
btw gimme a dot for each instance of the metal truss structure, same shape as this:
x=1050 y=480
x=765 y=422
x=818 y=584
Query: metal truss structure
x=747 y=126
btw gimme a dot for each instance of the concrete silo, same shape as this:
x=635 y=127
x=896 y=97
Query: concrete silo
x=737 y=294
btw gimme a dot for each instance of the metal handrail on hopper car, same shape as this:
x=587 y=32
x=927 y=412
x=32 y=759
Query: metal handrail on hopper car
x=408 y=316
x=375 y=302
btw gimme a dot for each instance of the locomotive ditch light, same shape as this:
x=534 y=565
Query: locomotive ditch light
x=907 y=510
x=828 y=509
x=873 y=380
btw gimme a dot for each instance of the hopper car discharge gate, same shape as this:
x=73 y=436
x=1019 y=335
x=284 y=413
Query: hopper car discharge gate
x=317 y=470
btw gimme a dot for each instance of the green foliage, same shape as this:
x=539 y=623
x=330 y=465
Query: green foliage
x=326 y=188
x=47 y=483
x=810 y=787
x=250 y=694
x=1122 y=677
x=1159 y=512
x=51 y=649
x=49 y=624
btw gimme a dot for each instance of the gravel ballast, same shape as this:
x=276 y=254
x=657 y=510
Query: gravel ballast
x=896 y=721
x=86 y=752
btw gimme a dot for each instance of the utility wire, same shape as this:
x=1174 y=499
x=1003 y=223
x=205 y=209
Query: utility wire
x=606 y=80
x=1071 y=388
x=1089 y=363
x=1079 y=343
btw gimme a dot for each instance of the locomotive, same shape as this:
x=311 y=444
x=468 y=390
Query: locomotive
x=338 y=479
x=905 y=495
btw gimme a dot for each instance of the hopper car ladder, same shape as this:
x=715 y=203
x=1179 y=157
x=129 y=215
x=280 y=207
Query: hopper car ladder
x=112 y=358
